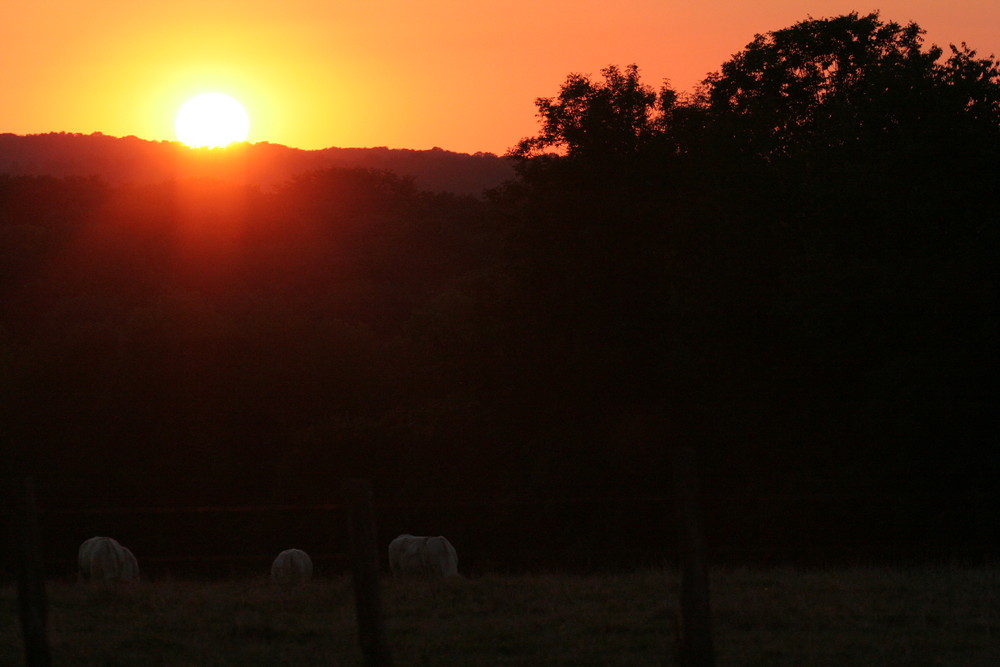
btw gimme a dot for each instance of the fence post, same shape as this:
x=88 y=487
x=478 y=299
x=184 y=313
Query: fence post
x=695 y=619
x=364 y=565
x=31 y=597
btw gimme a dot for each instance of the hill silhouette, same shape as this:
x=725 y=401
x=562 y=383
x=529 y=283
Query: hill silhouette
x=133 y=160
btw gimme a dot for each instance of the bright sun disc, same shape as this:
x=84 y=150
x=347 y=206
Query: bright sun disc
x=211 y=120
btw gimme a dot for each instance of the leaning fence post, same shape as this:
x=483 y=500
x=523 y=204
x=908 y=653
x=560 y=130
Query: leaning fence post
x=30 y=576
x=695 y=626
x=364 y=565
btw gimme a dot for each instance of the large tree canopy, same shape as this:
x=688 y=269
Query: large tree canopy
x=850 y=82
x=785 y=243
x=825 y=83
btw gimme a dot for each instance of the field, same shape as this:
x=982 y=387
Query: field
x=863 y=616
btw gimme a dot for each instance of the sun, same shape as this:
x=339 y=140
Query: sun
x=211 y=120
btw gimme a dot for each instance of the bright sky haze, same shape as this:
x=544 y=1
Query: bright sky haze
x=314 y=73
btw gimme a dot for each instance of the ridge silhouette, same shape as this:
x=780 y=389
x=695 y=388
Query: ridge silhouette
x=134 y=160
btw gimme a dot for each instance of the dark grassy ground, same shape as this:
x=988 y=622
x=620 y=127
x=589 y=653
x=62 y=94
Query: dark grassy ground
x=864 y=616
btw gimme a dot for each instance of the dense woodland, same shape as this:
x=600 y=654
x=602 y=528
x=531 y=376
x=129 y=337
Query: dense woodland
x=791 y=270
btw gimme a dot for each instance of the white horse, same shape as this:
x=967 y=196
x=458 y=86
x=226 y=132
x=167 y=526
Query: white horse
x=104 y=559
x=292 y=566
x=423 y=556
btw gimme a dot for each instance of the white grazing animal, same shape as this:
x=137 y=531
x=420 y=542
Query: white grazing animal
x=104 y=559
x=425 y=556
x=292 y=566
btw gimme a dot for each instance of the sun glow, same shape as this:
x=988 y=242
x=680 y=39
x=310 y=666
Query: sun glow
x=211 y=120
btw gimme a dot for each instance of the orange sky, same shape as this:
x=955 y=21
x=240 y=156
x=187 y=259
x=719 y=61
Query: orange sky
x=316 y=73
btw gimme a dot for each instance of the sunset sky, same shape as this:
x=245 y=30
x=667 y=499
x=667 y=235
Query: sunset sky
x=317 y=73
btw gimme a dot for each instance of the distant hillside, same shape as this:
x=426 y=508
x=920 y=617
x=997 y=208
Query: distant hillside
x=130 y=159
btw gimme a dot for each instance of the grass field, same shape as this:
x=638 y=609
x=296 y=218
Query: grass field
x=863 y=616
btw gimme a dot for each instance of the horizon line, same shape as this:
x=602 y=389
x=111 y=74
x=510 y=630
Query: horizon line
x=98 y=133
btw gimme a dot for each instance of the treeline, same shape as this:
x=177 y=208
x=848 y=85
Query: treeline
x=792 y=271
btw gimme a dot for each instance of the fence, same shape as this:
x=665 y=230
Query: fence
x=555 y=533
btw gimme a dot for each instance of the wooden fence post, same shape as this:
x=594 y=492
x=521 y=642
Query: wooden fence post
x=695 y=619
x=364 y=565
x=30 y=576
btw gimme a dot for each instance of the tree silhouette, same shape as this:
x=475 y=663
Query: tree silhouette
x=604 y=120
x=844 y=81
